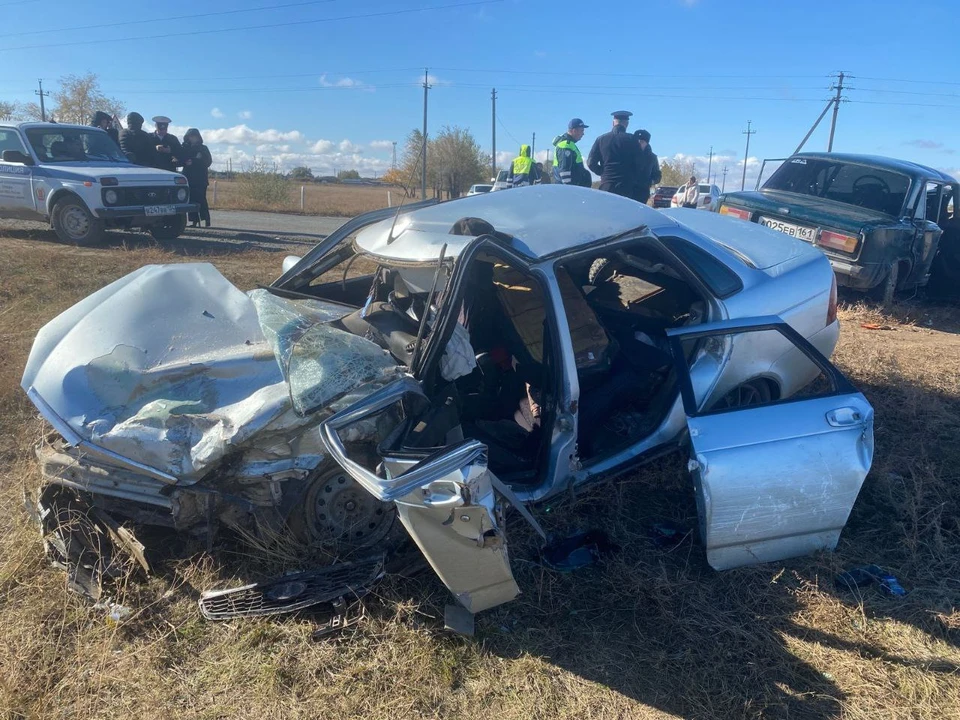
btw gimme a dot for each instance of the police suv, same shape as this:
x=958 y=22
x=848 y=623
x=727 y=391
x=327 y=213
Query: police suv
x=77 y=179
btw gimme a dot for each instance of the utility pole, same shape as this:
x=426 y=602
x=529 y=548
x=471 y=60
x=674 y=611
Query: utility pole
x=533 y=148
x=748 y=132
x=493 y=123
x=709 y=164
x=394 y=154
x=724 y=186
x=836 y=109
x=423 y=161
x=42 y=94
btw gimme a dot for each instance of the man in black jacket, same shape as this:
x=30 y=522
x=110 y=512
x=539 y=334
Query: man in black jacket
x=649 y=167
x=615 y=157
x=105 y=122
x=168 y=148
x=136 y=144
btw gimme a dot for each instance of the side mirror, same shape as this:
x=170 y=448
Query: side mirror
x=288 y=262
x=15 y=156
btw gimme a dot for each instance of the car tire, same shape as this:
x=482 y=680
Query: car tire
x=169 y=229
x=600 y=271
x=750 y=393
x=337 y=513
x=74 y=223
x=890 y=285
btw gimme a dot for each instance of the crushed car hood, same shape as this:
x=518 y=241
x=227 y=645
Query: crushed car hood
x=170 y=367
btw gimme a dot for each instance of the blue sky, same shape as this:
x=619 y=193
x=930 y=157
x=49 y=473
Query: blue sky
x=334 y=82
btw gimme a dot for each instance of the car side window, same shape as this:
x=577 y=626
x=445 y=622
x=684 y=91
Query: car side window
x=721 y=280
x=10 y=140
x=932 y=202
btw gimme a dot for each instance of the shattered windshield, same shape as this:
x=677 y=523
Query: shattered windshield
x=849 y=183
x=319 y=362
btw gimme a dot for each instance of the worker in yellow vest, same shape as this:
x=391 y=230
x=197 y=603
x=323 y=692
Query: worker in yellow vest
x=568 y=166
x=523 y=171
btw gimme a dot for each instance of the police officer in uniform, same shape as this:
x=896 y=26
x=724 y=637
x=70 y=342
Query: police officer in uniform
x=615 y=157
x=136 y=143
x=649 y=167
x=568 y=166
x=168 y=148
x=523 y=170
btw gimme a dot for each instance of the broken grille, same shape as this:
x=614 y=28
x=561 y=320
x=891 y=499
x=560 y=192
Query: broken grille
x=293 y=592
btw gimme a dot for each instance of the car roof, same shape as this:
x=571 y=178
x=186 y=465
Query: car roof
x=903 y=166
x=545 y=220
x=50 y=126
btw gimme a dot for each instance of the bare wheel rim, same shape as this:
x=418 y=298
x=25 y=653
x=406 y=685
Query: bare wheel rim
x=75 y=221
x=745 y=395
x=339 y=511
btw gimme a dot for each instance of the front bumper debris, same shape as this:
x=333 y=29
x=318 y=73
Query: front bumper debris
x=293 y=592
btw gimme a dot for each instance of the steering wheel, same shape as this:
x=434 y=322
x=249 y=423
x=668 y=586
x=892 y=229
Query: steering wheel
x=859 y=183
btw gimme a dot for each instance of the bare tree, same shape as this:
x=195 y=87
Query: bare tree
x=79 y=97
x=456 y=161
x=9 y=110
x=676 y=172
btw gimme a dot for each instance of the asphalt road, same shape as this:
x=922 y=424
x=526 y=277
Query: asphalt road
x=231 y=230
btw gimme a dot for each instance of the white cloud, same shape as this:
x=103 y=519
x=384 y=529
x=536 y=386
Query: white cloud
x=270 y=147
x=321 y=147
x=344 y=82
x=244 y=135
x=244 y=114
x=543 y=155
x=217 y=113
x=382 y=145
x=432 y=80
x=348 y=147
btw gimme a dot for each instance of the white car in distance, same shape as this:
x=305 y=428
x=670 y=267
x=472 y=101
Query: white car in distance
x=709 y=195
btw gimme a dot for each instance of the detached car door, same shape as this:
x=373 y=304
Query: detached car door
x=448 y=500
x=776 y=473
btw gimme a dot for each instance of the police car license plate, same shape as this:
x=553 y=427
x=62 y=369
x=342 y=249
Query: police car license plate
x=798 y=231
x=160 y=210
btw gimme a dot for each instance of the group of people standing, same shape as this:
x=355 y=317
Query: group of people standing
x=164 y=151
x=625 y=162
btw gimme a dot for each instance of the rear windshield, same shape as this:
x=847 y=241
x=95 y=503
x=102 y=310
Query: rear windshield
x=860 y=185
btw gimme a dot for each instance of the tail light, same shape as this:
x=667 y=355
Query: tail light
x=832 y=305
x=838 y=241
x=735 y=212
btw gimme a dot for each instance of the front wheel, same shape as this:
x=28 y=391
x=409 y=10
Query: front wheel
x=74 y=224
x=169 y=229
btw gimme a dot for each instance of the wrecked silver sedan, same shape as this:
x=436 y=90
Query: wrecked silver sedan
x=446 y=362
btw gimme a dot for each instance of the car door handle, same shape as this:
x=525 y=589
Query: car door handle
x=844 y=417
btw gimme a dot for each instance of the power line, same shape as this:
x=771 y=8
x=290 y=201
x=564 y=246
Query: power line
x=507 y=131
x=267 y=26
x=167 y=19
x=607 y=74
x=180 y=81
x=909 y=80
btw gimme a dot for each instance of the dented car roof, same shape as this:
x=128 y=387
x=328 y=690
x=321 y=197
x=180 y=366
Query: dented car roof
x=544 y=220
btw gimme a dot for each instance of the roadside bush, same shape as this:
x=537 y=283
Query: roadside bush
x=263 y=185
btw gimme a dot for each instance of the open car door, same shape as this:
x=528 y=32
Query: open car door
x=776 y=474
x=448 y=500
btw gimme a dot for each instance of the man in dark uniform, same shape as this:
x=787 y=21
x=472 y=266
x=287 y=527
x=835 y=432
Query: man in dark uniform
x=615 y=157
x=649 y=167
x=168 y=148
x=136 y=144
x=105 y=123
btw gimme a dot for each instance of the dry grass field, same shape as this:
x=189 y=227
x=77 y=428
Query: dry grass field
x=319 y=199
x=651 y=633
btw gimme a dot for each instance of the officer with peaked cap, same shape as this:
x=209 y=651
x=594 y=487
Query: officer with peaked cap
x=169 y=150
x=615 y=157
